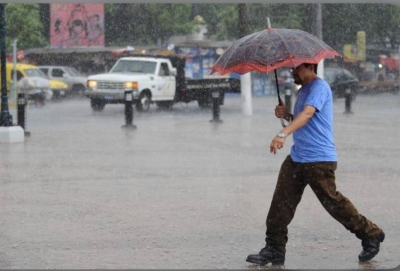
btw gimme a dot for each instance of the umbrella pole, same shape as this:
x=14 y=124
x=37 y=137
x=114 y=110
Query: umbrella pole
x=277 y=87
x=279 y=96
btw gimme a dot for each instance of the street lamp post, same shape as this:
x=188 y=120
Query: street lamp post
x=15 y=66
x=5 y=117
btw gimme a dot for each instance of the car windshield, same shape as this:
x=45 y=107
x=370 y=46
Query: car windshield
x=134 y=66
x=72 y=71
x=35 y=73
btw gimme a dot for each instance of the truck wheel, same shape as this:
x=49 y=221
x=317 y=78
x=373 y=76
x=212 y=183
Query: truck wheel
x=165 y=105
x=56 y=96
x=78 y=90
x=143 y=105
x=97 y=105
x=204 y=104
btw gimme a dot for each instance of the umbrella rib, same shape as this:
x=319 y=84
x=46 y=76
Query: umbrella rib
x=284 y=43
x=255 y=36
x=311 y=39
x=238 y=46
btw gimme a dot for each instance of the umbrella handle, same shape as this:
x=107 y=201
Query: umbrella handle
x=283 y=123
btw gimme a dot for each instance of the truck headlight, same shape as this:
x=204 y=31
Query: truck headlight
x=91 y=84
x=130 y=85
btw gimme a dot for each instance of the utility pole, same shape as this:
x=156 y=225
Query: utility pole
x=314 y=15
x=5 y=117
x=245 y=79
x=243 y=20
x=318 y=33
x=318 y=20
x=8 y=132
x=15 y=68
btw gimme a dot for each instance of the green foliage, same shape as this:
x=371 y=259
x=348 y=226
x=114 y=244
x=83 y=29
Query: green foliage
x=146 y=24
x=212 y=15
x=23 y=23
x=280 y=15
x=228 y=23
x=150 y=24
x=341 y=22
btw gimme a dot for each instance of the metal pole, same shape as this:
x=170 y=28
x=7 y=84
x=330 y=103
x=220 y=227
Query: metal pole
x=347 y=101
x=319 y=34
x=5 y=117
x=216 y=98
x=15 y=66
x=21 y=112
x=246 y=95
x=129 y=110
x=318 y=21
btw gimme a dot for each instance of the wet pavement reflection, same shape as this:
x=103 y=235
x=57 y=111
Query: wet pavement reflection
x=180 y=192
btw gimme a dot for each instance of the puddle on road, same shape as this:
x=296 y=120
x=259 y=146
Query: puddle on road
x=265 y=267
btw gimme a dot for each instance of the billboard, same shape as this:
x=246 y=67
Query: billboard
x=76 y=25
x=361 y=50
x=349 y=53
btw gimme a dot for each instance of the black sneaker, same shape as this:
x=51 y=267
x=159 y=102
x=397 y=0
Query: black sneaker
x=267 y=255
x=370 y=247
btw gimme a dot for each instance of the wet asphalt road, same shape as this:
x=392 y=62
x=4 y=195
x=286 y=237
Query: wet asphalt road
x=183 y=193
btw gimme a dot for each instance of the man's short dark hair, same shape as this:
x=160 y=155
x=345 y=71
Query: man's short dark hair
x=315 y=66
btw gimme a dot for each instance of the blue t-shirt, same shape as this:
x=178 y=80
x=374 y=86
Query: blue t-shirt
x=314 y=141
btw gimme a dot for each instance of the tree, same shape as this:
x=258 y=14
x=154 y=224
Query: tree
x=23 y=23
x=146 y=24
x=172 y=19
x=382 y=22
x=228 y=22
x=379 y=21
x=281 y=16
x=212 y=14
x=151 y=24
x=243 y=27
x=44 y=14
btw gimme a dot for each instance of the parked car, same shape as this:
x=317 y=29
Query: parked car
x=380 y=84
x=27 y=70
x=341 y=82
x=37 y=89
x=74 y=79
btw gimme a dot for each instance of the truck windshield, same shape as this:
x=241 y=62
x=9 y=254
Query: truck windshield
x=134 y=66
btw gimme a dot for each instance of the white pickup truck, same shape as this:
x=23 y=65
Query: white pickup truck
x=155 y=78
x=150 y=79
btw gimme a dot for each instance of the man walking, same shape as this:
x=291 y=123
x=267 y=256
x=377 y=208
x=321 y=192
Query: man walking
x=312 y=161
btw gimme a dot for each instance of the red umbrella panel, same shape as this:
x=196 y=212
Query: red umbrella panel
x=269 y=49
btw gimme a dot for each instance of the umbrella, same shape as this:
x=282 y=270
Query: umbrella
x=270 y=49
